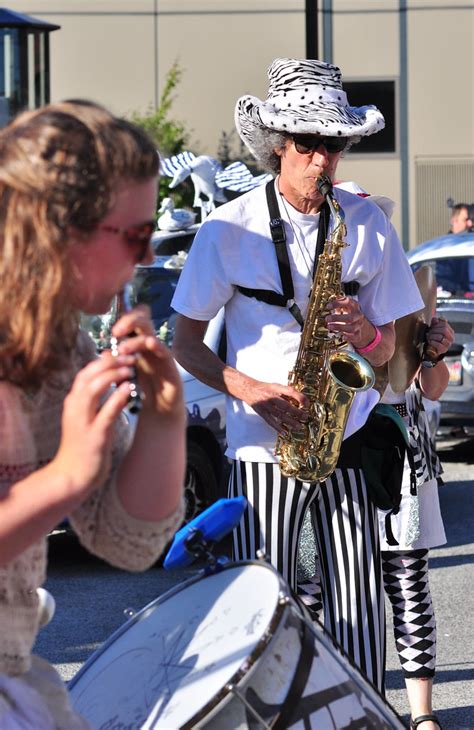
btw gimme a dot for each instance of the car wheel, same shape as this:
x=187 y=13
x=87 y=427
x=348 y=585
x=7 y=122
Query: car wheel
x=200 y=488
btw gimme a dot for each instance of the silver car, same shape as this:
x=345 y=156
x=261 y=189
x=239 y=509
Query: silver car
x=452 y=259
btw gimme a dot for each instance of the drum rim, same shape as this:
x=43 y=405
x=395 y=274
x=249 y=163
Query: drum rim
x=284 y=599
x=127 y=625
x=287 y=601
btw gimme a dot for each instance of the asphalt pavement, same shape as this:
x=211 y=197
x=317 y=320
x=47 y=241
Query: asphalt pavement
x=451 y=582
x=92 y=600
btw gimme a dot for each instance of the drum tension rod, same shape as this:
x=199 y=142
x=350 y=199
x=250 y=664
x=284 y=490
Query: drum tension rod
x=232 y=688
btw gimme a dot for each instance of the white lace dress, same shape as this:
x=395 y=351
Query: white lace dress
x=29 y=437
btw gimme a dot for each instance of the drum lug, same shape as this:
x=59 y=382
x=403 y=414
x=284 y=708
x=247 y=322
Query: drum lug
x=283 y=599
x=129 y=612
x=46 y=606
x=261 y=555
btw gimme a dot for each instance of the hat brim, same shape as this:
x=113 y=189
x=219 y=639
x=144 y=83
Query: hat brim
x=328 y=118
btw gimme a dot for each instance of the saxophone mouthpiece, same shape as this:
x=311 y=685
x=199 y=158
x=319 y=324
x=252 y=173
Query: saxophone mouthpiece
x=324 y=185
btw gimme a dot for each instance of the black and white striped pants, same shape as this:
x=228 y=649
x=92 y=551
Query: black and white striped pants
x=347 y=543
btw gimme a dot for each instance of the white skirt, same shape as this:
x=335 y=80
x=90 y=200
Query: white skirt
x=431 y=528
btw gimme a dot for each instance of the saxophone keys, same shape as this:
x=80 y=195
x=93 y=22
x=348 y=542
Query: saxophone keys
x=289 y=468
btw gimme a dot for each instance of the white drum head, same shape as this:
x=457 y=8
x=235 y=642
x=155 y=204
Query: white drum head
x=179 y=652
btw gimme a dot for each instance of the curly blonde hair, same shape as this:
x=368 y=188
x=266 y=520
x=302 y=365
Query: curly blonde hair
x=60 y=167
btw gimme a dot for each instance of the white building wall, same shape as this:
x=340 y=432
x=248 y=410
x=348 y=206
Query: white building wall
x=119 y=51
x=224 y=55
x=441 y=111
x=366 y=46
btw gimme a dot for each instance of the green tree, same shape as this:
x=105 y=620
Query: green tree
x=170 y=135
x=231 y=148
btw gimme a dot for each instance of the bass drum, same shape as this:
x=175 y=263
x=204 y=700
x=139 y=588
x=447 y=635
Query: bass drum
x=227 y=651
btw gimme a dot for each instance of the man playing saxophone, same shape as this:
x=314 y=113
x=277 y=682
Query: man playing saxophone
x=256 y=257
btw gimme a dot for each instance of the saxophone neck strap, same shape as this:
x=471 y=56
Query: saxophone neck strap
x=277 y=232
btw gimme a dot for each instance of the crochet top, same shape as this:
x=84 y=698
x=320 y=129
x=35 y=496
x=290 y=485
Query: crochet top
x=30 y=425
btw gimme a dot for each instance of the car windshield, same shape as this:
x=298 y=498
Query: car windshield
x=155 y=286
x=151 y=285
x=454 y=276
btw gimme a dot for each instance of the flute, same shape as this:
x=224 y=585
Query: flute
x=122 y=305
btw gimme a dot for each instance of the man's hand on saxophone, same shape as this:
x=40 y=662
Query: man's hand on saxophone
x=281 y=406
x=347 y=319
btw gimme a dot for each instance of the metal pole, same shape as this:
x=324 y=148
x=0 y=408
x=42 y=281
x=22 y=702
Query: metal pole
x=404 y=144
x=155 y=42
x=311 y=15
x=327 y=31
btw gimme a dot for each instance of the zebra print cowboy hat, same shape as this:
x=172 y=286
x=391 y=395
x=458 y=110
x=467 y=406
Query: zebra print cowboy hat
x=305 y=97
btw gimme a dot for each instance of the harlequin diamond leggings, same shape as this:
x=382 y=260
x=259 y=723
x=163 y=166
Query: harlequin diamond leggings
x=347 y=543
x=405 y=576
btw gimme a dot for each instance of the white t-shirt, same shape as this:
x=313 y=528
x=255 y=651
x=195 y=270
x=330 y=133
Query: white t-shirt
x=391 y=397
x=234 y=247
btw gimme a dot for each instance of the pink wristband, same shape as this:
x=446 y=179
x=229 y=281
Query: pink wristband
x=372 y=345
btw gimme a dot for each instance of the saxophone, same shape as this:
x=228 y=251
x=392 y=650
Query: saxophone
x=327 y=373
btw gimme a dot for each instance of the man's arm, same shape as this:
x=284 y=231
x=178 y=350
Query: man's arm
x=386 y=347
x=270 y=400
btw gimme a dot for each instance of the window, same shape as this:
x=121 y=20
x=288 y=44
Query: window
x=382 y=95
x=152 y=285
x=10 y=83
x=454 y=276
x=24 y=70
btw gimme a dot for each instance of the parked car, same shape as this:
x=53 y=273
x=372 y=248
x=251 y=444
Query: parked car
x=168 y=243
x=452 y=259
x=154 y=284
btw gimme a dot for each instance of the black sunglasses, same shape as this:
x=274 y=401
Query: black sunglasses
x=137 y=237
x=306 y=144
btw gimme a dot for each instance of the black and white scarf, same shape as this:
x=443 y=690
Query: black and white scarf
x=426 y=462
